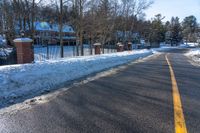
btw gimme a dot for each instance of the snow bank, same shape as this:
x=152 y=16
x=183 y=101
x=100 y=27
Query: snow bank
x=194 y=54
x=19 y=81
x=168 y=47
x=165 y=48
x=40 y=53
x=192 y=44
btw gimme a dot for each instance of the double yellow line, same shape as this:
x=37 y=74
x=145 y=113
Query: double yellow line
x=179 y=120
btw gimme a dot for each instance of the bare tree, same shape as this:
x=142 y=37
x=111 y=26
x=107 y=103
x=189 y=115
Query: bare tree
x=131 y=10
x=93 y=20
x=78 y=11
x=61 y=29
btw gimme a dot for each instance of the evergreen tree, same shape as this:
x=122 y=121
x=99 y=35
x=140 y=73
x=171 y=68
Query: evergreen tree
x=175 y=31
x=168 y=32
x=158 y=31
x=189 y=28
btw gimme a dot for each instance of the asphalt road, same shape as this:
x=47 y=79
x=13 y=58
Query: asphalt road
x=137 y=99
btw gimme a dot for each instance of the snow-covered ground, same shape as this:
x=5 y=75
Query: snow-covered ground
x=194 y=54
x=18 y=82
x=5 y=51
x=168 y=47
x=183 y=45
x=22 y=81
x=193 y=44
x=40 y=53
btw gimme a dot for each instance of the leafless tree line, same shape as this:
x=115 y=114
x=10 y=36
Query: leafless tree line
x=92 y=20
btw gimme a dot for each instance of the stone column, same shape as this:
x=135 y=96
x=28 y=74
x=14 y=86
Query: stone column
x=97 y=47
x=120 y=47
x=129 y=46
x=24 y=49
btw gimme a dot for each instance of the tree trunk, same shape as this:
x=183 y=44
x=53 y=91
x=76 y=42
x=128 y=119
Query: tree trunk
x=81 y=27
x=61 y=30
x=77 y=45
x=33 y=19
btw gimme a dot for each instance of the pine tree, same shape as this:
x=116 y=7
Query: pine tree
x=189 y=28
x=157 y=31
x=175 y=30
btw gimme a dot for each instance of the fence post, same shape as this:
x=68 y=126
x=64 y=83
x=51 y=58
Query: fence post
x=129 y=45
x=97 y=47
x=120 y=47
x=24 y=49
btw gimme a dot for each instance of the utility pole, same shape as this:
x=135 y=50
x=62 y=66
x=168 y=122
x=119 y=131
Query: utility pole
x=61 y=29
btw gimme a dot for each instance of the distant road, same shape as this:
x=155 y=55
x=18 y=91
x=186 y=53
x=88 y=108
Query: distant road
x=137 y=99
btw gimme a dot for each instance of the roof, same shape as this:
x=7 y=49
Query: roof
x=120 y=44
x=42 y=26
x=45 y=26
x=126 y=34
x=97 y=44
x=67 y=37
x=66 y=28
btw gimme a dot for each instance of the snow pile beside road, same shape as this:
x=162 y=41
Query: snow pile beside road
x=164 y=49
x=192 y=44
x=194 y=54
x=19 y=81
x=168 y=47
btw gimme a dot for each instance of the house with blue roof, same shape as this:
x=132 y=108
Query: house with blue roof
x=49 y=33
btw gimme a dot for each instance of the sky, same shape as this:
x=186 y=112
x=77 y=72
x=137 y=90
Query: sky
x=169 y=8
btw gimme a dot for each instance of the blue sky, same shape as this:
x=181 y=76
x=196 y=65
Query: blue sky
x=169 y=8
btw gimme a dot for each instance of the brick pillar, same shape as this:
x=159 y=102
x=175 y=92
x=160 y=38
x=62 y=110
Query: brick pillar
x=120 y=47
x=24 y=49
x=129 y=46
x=97 y=47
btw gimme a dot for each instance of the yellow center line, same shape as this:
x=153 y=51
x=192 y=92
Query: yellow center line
x=179 y=120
